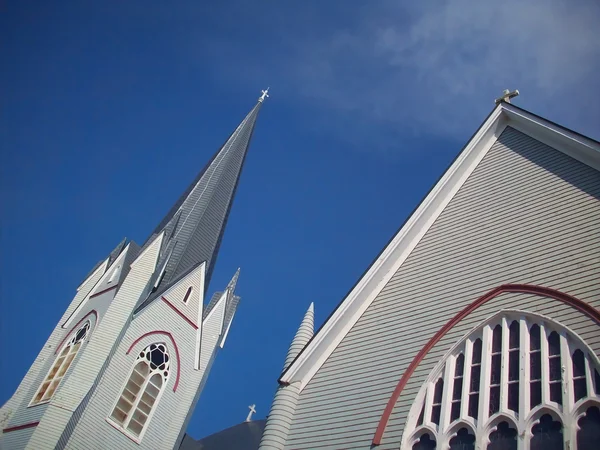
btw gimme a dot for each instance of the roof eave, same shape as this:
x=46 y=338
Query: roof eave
x=397 y=250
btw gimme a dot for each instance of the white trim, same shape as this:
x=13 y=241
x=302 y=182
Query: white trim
x=68 y=342
x=157 y=242
x=579 y=147
x=568 y=413
x=102 y=267
x=117 y=266
x=222 y=343
x=121 y=427
x=214 y=308
x=392 y=257
x=397 y=251
x=202 y=269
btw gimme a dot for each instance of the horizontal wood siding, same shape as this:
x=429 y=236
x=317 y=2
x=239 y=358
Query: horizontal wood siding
x=527 y=214
x=170 y=414
x=97 y=353
x=18 y=403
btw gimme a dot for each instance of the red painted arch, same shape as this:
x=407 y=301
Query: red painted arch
x=170 y=336
x=580 y=305
x=93 y=311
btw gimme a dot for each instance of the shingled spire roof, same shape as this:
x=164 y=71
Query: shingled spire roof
x=195 y=224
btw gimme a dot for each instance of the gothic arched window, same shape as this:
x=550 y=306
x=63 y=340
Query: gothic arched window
x=142 y=390
x=503 y=438
x=61 y=365
x=588 y=434
x=547 y=434
x=515 y=372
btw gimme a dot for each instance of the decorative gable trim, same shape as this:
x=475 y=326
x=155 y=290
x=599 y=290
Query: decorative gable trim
x=101 y=268
x=174 y=308
x=541 y=291
x=170 y=336
x=356 y=302
x=21 y=427
x=104 y=291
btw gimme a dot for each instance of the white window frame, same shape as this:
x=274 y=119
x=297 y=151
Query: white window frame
x=568 y=413
x=123 y=427
x=68 y=343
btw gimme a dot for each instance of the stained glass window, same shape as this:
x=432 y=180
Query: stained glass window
x=425 y=442
x=463 y=440
x=547 y=434
x=458 y=387
x=507 y=360
x=503 y=438
x=588 y=436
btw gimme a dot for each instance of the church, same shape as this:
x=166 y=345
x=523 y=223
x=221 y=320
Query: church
x=476 y=327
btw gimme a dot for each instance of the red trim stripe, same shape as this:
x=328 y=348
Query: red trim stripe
x=170 y=336
x=541 y=291
x=104 y=291
x=93 y=311
x=180 y=313
x=21 y=427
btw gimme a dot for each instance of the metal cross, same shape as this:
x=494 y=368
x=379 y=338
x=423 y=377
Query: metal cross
x=252 y=409
x=506 y=96
x=265 y=94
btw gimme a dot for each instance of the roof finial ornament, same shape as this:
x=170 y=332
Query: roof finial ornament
x=251 y=408
x=265 y=94
x=506 y=96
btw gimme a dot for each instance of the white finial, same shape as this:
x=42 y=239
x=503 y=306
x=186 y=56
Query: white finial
x=265 y=94
x=506 y=96
x=252 y=409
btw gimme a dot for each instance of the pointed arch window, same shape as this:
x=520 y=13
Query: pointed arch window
x=142 y=391
x=516 y=372
x=60 y=366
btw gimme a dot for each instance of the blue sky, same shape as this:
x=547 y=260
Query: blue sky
x=110 y=108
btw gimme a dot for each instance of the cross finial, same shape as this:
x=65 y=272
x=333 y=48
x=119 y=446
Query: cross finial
x=265 y=94
x=506 y=96
x=251 y=408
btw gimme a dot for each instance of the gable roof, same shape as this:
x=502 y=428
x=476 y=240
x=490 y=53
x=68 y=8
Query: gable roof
x=400 y=246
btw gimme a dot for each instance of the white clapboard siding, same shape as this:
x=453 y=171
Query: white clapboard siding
x=527 y=214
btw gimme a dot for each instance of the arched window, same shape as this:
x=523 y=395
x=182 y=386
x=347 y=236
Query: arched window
x=547 y=434
x=61 y=365
x=142 y=390
x=511 y=373
x=503 y=438
x=425 y=442
x=588 y=435
x=463 y=440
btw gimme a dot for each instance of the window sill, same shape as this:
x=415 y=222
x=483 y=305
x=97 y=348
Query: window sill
x=119 y=428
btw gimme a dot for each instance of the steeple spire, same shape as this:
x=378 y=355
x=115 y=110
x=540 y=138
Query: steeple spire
x=195 y=224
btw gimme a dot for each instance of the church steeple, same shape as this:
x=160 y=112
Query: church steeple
x=195 y=224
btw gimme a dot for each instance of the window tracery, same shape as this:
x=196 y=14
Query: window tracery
x=60 y=366
x=514 y=373
x=142 y=390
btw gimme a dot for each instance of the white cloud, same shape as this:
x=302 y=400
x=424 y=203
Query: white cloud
x=463 y=53
x=440 y=64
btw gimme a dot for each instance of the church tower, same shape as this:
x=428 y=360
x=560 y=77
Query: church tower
x=125 y=365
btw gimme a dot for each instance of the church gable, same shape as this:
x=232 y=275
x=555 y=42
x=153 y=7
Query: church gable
x=100 y=297
x=525 y=214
